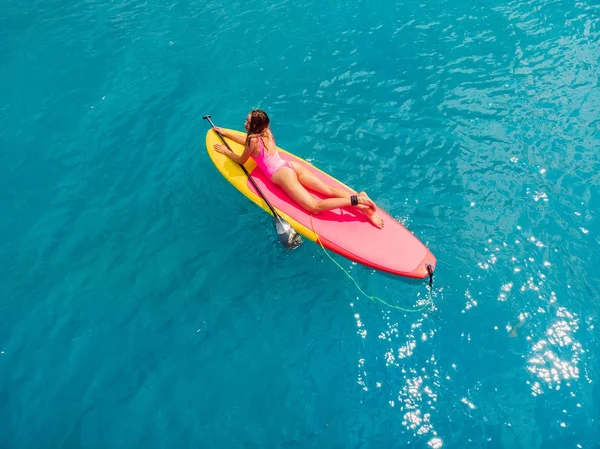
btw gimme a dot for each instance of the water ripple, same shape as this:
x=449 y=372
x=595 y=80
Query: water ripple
x=131 y=269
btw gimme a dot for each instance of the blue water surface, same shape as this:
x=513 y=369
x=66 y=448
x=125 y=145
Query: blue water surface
x=145 y=303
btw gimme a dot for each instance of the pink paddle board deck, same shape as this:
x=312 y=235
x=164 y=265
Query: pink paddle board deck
x=347 y=232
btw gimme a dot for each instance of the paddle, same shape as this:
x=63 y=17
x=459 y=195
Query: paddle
x=288 y=237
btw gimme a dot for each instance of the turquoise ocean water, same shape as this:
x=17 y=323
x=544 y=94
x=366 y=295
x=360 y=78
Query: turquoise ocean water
x=145 y=303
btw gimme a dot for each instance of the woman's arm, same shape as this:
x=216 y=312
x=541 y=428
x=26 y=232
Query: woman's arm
x=240 y=159
x=235 y=137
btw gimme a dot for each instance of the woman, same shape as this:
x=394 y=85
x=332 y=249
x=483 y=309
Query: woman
x=291 y=176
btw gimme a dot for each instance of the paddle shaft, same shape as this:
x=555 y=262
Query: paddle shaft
x=275 y=214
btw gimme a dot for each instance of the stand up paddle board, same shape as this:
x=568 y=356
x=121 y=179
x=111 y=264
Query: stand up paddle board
x=345 y=231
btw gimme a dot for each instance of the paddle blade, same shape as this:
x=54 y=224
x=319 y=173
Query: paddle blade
x=288 y=237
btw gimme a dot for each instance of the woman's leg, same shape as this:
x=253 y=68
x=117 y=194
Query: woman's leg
x=288 y=180
x=309 y=180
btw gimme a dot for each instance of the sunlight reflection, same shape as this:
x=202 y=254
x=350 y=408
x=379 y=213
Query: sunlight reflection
x=414 y=381
x=468 y=403
x=471 y=302
x=361 y=329
x=548 y=361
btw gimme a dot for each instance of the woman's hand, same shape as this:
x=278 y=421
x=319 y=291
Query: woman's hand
x=220 y=130
x=221 y=149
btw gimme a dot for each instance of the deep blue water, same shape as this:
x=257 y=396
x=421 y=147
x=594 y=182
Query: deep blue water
x=145 y=303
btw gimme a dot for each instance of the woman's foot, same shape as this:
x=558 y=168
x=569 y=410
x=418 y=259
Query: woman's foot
x=364 y=199
x=368 y=207
x=373 y=217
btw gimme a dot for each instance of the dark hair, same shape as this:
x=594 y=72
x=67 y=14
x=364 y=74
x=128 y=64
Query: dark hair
x=259 y=121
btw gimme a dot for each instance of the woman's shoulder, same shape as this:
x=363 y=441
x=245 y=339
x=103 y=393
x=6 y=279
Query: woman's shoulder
x=252 y=142
x=252 y=139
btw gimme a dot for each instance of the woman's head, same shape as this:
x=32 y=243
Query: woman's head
x=256 y=122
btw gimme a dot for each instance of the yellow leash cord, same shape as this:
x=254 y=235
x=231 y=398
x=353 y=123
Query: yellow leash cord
x=372 y=298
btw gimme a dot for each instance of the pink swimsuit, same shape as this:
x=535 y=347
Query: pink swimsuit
x=269 y=163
